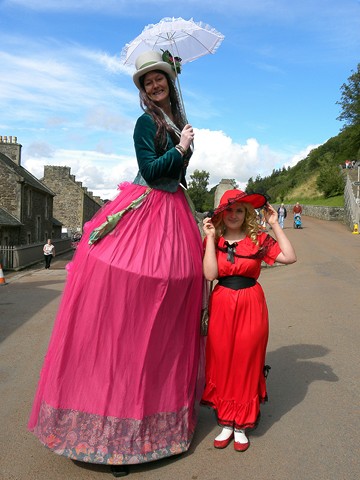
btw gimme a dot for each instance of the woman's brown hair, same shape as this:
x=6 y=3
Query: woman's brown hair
x=156 y=113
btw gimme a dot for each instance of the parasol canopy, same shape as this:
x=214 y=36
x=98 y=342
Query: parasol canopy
x=186 y=39
x=181 y=41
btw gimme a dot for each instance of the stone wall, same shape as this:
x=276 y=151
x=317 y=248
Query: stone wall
x=68 y=198
x=224 y=185
x=35 y=214
x=318 y=211
x=73 y=204
x=9 y=236
x=37 y=220
x=91 y=206
x=10 y=190
x=324 y=213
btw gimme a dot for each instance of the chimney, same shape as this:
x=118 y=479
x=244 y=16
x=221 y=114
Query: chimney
x=10 y=148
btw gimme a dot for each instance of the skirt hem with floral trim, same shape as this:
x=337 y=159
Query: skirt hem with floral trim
x=92 y=438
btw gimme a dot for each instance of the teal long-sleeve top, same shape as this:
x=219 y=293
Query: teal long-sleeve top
x=163 y=172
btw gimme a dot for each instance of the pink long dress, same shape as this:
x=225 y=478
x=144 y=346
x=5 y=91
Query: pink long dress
x=119 y=378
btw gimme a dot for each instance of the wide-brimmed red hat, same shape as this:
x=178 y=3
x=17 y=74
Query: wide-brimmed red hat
x=257 y=200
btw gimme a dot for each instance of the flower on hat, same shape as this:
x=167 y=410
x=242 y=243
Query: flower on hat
x=175 y=62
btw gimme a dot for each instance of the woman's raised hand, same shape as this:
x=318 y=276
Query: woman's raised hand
x=270 y=214
x=187 y=136
x=208 y=227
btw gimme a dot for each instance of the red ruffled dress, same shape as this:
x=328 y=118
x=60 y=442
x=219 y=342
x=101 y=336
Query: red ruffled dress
x=238 y=335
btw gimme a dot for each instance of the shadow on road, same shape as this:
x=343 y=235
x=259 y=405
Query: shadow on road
x=21 y=299
x=9 y=306
x=292 y=371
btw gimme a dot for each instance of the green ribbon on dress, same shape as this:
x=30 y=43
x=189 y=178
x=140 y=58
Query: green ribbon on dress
x=113 y=220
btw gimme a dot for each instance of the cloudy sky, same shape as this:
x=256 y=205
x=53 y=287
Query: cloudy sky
x=262 y=101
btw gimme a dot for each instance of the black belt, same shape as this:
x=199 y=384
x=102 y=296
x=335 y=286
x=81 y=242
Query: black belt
x=236 y=282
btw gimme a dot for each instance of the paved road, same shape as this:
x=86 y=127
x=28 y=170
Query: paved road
x=309 y=428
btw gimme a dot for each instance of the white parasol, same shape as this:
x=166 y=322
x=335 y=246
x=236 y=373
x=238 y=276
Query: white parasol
x=184 y=39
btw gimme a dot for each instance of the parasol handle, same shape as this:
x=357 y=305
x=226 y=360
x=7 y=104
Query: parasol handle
x=181 y=97
x=179 y=89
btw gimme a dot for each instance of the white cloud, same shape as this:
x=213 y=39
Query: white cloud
x=219 y=155
x=102 y=117
x=99 y=172
x=39 y=150
x=111 y=63
x=215 y=152
x=61 y=78
x=300 y=155
x=66 y=94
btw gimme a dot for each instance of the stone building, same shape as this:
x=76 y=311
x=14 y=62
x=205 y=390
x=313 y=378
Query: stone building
x=224 y=185
x=74 y=205
x=10 y=226
x=26 y=204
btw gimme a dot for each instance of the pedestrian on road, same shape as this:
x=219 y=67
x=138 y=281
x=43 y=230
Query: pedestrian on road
x=262 y=220
x=238 y=316
x=282 y=213
x=49 y=252
x=297 y=208
x=119 y=380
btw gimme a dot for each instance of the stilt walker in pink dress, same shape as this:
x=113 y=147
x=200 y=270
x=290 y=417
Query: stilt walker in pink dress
x=238 y=315
x=119 y=378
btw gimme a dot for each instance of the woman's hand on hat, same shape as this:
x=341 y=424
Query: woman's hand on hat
x=187 y=136
x=208 y=227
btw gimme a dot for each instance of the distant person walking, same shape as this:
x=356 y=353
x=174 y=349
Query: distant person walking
x=281 y=215
x=297 y=208
x=49 y=253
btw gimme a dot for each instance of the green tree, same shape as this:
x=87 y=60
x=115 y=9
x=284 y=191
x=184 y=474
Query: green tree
x=350 y=99
x=330 y=181
x=197 y=190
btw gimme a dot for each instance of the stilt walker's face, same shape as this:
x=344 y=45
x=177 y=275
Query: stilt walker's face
x=156 y=86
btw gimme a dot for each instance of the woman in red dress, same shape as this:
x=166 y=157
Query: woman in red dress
x=238 y=323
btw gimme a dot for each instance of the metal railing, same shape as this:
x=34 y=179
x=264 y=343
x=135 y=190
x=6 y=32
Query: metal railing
x=7 y=256
x=21 y=256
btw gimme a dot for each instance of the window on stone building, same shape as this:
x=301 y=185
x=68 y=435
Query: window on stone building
x=29 y=202
x=46 y=207
x=38 y=228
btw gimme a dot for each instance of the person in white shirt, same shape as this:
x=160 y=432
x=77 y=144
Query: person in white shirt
x=49 y=253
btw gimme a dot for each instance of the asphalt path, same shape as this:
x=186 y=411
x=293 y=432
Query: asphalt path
x=309 y=428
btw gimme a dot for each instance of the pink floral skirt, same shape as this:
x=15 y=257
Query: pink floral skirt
x=119 y=380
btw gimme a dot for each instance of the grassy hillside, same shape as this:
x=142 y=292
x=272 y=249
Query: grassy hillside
x=301 y=182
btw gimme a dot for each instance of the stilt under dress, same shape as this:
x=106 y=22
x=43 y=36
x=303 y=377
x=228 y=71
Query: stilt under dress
x=119 y=377
x=237 y=337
